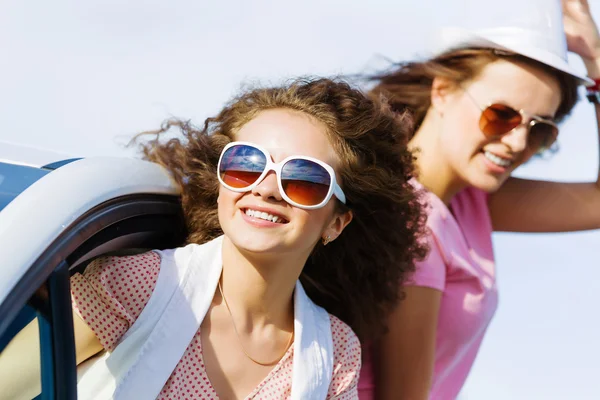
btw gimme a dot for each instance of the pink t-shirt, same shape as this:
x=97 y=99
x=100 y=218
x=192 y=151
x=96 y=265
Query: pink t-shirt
x=461 y=265
x=112 y=293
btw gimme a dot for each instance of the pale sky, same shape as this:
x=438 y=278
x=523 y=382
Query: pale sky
x=80 y=78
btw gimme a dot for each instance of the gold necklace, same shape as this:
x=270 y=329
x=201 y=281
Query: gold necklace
x=240 y=340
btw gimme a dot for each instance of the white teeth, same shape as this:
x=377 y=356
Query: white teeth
x=262 y=215
x=497 y=160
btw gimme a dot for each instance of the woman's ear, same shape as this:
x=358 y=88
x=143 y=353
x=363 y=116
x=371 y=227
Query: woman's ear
x=441 y=90
x=336 y=226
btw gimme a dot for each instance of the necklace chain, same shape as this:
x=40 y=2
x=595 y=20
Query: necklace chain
x=240 y=340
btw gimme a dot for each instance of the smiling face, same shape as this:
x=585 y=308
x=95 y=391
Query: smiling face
x=261 y=221
x=475 y=159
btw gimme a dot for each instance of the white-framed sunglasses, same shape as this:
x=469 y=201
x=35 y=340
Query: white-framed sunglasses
x=304 y=182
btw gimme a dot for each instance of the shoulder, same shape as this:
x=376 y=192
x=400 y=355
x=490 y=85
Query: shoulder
x=343 y=336
x=439 y=237
x=346 y=359
x=116 y=274
x=438 y=221
x=112 y=266
x=436 y=211
x=112 y=292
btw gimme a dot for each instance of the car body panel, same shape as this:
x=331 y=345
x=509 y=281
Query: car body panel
x=27 y=227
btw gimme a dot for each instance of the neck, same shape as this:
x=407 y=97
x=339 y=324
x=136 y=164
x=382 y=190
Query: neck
x=434 y=172
x=261 y=292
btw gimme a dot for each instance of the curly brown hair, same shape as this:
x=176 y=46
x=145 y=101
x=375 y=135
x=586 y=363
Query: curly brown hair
x=408 y=85
x=357 y=277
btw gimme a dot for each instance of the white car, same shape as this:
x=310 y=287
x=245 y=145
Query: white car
x=54 y=219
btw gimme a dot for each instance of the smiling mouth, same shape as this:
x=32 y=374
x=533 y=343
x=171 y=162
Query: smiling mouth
x=499 y=161
x=266 y=216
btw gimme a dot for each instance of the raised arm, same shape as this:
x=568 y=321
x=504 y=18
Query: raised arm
x=523 y=205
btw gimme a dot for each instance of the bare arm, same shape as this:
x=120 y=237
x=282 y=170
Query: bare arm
x=20 y=360
x=523 y=205
x=404 y=358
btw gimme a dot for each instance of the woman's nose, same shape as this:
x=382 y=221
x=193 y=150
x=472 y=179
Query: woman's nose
x=268 y=188
x=517 y=139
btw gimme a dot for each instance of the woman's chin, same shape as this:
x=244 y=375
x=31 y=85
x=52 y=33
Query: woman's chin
x=488 y=183
x=257 y=243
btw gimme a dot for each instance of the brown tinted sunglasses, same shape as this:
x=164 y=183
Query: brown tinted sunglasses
x=499 y=119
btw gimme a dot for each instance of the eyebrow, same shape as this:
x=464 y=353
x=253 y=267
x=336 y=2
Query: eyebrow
x=548 y=117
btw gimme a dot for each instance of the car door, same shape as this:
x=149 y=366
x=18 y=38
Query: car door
x=113 y=214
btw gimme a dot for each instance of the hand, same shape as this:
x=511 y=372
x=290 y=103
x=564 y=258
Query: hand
x=581 y=30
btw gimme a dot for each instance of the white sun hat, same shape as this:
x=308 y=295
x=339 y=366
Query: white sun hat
x=532 y=28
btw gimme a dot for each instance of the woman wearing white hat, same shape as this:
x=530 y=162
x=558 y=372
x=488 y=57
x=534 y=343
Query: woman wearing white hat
x=487 y=102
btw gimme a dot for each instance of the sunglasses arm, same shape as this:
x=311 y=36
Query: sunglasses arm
x=337 y=191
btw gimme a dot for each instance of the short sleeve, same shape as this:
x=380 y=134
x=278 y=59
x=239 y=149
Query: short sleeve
x=346 y=362
x=431 y=272
x=112 y=292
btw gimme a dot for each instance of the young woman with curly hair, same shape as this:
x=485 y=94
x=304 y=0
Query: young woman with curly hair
x=293 y=198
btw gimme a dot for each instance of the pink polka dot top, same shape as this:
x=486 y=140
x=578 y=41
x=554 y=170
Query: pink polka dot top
x=112 y=292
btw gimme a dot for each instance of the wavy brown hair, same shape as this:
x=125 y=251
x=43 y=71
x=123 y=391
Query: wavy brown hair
x=357 y=277
x=408 y=85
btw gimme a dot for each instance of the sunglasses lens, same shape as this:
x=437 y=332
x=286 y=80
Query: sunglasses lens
x=241 y=166
x=542 y=136
x=305 y=182
x=498 y=119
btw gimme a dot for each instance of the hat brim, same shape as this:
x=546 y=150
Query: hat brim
x=448 y=39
